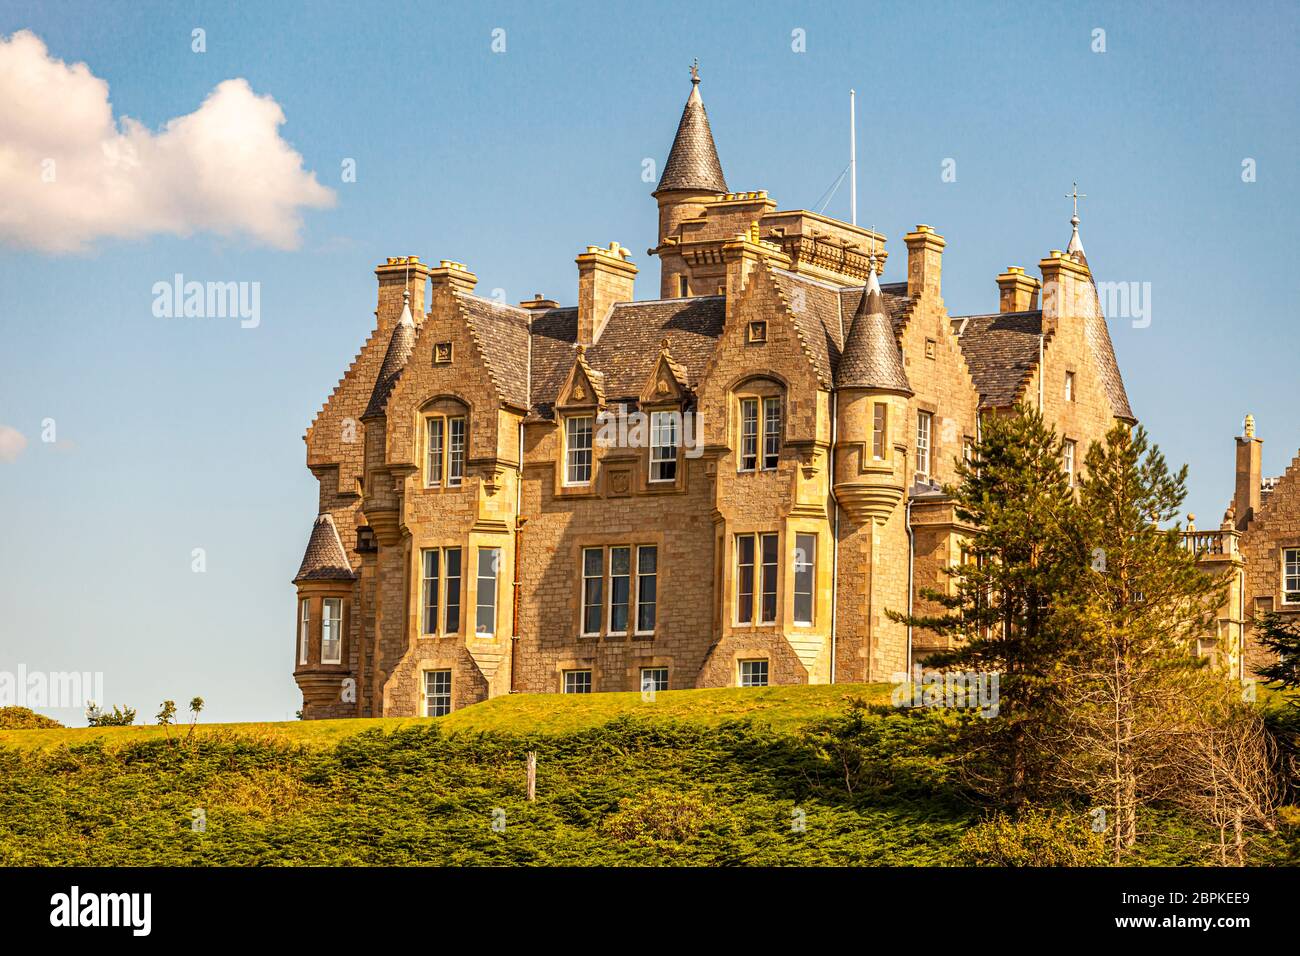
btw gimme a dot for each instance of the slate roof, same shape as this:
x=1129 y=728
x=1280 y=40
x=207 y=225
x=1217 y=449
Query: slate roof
x=693 y=160
x=816 y=309
x=400 y=344
x=501 y=332
x=1001 y=351
x=871 y=357
x=1097 y=334
x=324 y=559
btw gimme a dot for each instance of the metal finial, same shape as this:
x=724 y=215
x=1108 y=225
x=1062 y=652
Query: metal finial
x=695 y=70
x=1076 y=196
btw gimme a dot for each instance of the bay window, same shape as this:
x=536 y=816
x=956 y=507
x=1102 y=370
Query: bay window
x=485 y=619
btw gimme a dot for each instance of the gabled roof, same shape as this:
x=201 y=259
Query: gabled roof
x=815 y=308
x=501 y=333
x=871 y=357
x=693 y=160
x=400 y=344
x=324 y=559
x=1001 y=351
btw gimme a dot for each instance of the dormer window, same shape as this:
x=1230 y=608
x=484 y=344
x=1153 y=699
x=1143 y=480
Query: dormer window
x=444 y=460
x=665 y=438
x=577 y=450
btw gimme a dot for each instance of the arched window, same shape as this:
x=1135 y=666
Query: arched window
x=446 y=441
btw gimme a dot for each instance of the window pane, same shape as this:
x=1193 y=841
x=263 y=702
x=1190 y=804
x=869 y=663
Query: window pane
x=451 y=622
x=486 y=618
x=593 y=580
x=304 y=632
x=879 y=420
x=1291 y=576
x=753 y=673
x=654 y=678
x=331 y=635
x=771 y=432
x=577 y=682
x=433 y=458
x=437 y=693
x=805 y=551
x=647 y=569
x=663 y=446
x=748 y=434
x=769 y=577
x=455 y=451
x=578 y=444
x=923 y=443
x=620 y=588
x=430 y=590
x=744 y=578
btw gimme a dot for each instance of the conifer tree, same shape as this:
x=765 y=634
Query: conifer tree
x=1130 y=668
x=1021 y=559
x=1283 y=639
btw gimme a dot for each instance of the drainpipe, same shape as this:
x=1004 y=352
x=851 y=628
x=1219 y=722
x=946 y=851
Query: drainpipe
x=1040 y=371
x=835 y=539
x=911 y=564
x=519 y=545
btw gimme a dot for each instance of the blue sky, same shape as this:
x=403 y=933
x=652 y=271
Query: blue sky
x=175 y=434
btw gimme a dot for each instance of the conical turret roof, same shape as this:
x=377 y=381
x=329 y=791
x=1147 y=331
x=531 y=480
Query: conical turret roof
x=400 y=345
x=324 y=559
x=693 y=160
x=871 y=356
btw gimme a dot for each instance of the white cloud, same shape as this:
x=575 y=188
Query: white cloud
x=12 y=443
x=222 y=168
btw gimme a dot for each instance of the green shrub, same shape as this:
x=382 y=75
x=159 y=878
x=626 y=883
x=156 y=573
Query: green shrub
x=20 y=718
x=120 y=717
x=1034 y=838
x=659 y=814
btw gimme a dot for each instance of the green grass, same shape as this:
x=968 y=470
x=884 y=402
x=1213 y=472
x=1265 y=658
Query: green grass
x=781 y=708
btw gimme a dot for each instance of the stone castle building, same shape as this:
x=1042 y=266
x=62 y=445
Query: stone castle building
x=1257 y=548
x=727 y=484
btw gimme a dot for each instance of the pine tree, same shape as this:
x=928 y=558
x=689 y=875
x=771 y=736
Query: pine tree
x=1023 y=556
x=1283 y=639
x=1130 y=668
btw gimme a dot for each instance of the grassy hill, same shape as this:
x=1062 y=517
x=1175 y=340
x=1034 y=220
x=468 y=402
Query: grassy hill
x=783 y=708
x=775 y=776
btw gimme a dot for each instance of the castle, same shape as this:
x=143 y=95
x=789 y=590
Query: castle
x=726 y=485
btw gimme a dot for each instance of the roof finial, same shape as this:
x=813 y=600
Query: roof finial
x=1249 y=426
x=695 y=71
x=1076 y=244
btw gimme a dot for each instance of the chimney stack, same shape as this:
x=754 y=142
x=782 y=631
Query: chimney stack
x=1017 y=292
x=397 y=275
x=924 y=261
x=1067 y=291
x=1249 y=474
x=605 y=276
x=452 y=277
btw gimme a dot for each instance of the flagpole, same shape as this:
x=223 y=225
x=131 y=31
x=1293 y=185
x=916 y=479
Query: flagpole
x=853 y=159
